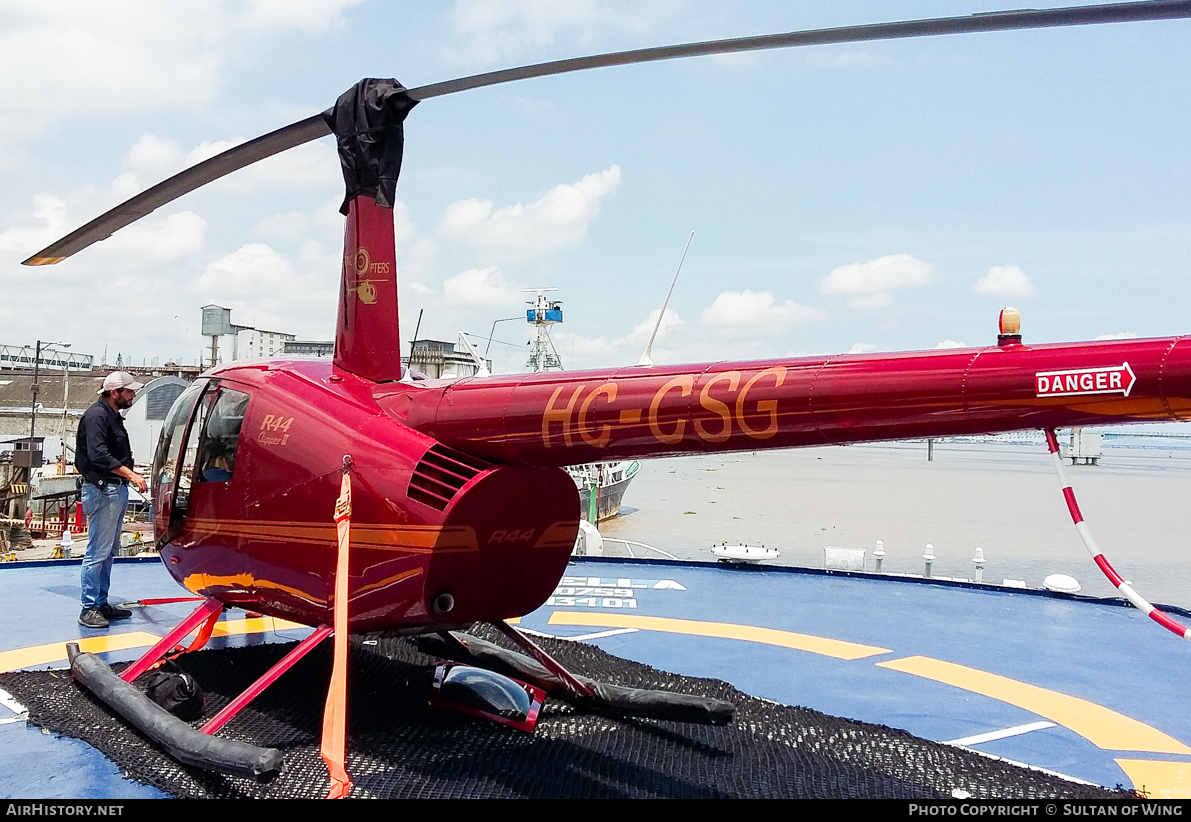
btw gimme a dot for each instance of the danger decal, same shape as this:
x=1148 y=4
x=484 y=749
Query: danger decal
x=1113 y=379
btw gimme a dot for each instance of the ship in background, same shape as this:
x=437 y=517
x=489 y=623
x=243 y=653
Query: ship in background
x=601 y=484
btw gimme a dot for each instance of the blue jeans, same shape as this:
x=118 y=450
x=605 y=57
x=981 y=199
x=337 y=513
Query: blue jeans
x=104 y=508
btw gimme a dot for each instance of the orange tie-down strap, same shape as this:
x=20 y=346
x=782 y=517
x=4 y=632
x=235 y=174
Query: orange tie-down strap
x=334 y=741
x=200 y=641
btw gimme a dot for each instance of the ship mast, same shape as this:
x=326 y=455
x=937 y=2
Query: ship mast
x=542 y=314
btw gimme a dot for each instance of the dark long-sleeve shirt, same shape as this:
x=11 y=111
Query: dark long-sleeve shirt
x=102 y=444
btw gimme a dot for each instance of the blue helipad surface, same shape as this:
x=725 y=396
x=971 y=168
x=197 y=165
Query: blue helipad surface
x=1090 y=690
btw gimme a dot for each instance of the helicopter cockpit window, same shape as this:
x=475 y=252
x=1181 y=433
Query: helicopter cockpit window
x=222 y=436
x=189 y=453
x=169 y=448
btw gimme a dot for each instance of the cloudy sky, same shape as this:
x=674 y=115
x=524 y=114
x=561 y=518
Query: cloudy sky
x=886 y=196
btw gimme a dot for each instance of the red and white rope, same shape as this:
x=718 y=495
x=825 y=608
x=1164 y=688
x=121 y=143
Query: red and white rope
x=1085 y=534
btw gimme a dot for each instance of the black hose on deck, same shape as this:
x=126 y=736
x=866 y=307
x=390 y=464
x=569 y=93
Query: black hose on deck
x=184 y=743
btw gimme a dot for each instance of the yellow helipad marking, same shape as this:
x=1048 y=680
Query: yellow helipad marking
x=837 y=648
x=253 y=625
x=56 y=651
x=1160 y=780
x=1102 y=727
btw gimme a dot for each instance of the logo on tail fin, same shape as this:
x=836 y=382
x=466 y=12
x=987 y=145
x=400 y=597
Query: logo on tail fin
x=362 y=261
x=363 y=265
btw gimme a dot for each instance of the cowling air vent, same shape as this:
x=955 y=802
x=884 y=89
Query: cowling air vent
x=440 y=474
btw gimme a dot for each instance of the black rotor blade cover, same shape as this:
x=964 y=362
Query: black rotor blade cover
x=368 y=121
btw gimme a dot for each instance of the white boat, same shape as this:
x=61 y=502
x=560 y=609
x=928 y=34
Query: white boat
x=740 y=552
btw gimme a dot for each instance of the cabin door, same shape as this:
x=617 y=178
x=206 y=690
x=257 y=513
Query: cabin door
x=173 y=465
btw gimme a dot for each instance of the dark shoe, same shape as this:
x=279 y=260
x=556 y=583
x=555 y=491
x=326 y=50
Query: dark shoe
x=112 y=613
x=93 y=618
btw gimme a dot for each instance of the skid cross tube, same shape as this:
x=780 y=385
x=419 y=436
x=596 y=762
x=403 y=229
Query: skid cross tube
x=551 y=664
x=268 y=678
x=207 y=611
x=141 y=603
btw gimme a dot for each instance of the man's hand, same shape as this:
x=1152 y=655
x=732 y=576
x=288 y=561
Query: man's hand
x=132 y=476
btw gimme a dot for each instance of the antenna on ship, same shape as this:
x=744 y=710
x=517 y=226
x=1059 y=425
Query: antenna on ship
x=543 y=314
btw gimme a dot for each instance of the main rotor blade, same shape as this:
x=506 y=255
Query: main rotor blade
x=991 y=21
x=314 y=127
x=208 y=171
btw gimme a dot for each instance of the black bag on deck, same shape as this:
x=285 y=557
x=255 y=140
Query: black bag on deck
x=178 y=693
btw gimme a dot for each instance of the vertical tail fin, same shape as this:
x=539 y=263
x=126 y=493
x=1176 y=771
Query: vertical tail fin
x=367 y=336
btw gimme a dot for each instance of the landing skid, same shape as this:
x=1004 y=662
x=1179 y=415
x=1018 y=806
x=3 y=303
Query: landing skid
x=542 y=670
x=201 y=748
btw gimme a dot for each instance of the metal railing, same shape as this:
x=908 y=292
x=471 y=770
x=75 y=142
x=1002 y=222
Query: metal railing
x=628 y=542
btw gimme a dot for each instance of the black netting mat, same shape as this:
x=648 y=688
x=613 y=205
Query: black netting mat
x=398 y=746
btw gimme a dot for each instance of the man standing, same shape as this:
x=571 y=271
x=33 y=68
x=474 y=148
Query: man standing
x=104 y=459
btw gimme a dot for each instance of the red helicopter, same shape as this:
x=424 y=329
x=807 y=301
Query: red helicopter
x=460 y=511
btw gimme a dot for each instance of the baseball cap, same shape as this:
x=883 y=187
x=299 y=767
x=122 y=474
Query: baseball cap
x=120 y=379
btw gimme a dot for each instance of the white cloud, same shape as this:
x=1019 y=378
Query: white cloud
x=163 y=236
x=1005 y=281
x=63 y=61
x=404 y=229
x=156 y=240
x=156 y=272
x=642 y=330
x=862 y=348
x=557 y=220
x=270 y=291
x=417 y=260
x=155 y=156
x=1120 y=335
x=304 y=15
x=151 y=159
x=496 y=30
x=312 y=166
x=51 y=213
x=481 y=287
x=757 y=309
x=867 y=302
x=869 y=283
x=325 y=222
x=251 y=268
x=951 y=344
x=606 y=350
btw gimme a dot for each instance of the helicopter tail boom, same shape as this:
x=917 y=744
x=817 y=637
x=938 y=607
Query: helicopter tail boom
x=575 y=417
